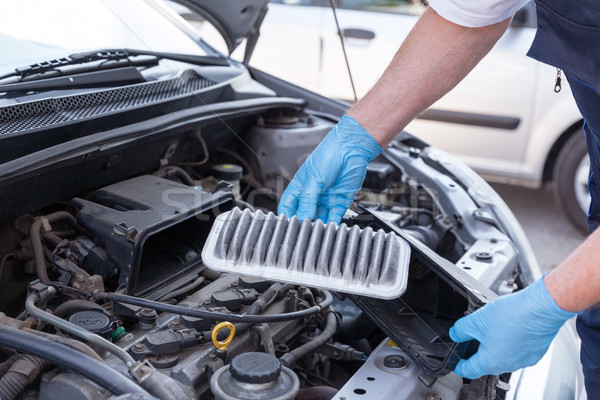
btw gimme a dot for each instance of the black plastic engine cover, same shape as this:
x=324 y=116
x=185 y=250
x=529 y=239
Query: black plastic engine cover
x=419 y=321
x=152 y=229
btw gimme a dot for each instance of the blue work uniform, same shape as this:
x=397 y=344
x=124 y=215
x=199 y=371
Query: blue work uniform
x=568 y=37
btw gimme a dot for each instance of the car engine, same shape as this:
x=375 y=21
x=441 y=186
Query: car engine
x=105 y=293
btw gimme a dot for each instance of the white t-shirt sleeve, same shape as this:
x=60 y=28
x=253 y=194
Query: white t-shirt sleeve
x=476 y=13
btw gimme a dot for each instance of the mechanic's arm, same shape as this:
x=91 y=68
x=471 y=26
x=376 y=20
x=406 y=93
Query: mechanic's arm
x=515 y=331
x=436 y=55
x=575 y=283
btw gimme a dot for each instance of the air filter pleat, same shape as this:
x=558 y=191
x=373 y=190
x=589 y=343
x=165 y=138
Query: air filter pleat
x=352 y=260
x=264 y=239
x=288 y=244
x=387 y=267
x=364 y=255
x=278 y=235
x=227 y=234
x=301 y=246
x=239 y=235
x=339 y=249
x=251 y=239
x=379 y=247
x=351 y=255
x=326 y=250
x=314 y=246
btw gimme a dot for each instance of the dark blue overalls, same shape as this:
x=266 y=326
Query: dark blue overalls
x=568 y=37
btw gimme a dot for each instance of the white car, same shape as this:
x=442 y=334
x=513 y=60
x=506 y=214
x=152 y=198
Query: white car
x=127 y=158
x=504 y=120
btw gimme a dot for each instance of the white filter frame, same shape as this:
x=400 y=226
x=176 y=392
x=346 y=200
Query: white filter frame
x=335 y=257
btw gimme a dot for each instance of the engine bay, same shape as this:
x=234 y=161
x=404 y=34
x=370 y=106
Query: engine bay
x=101 y=254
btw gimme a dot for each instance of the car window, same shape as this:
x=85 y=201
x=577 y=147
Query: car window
x=53 y=29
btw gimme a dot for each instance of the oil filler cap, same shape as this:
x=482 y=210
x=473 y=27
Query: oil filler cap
x=95 y=321
x=255 y=367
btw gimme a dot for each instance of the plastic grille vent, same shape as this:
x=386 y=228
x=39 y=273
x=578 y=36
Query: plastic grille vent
x=341 y=258
x=41 y=113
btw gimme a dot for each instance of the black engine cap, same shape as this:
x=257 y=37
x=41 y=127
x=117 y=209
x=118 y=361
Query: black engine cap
x=228 y=172
x=94 y=321
x=255 y=367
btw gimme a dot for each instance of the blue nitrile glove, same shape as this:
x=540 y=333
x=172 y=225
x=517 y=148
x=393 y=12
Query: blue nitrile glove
x=514 y=331
x=326 y=183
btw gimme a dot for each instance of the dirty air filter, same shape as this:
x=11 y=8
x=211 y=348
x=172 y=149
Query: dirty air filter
x=341 y=258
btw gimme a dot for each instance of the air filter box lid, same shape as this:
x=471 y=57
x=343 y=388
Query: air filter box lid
x=329 y=256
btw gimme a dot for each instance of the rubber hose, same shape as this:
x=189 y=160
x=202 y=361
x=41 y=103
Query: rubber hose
x=72 y=343
x=289 y=359
x=76 y=305
x=78 y=331
x=216 y=316
x=5 y=366
x=68 y=358
x=22 y=373
x=175 y=172
x=36 y=239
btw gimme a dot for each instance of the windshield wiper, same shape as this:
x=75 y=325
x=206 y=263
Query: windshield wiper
x=111 y=55
x=116 y=76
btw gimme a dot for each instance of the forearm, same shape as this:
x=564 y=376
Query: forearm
x=435 y=57
x=575 y=283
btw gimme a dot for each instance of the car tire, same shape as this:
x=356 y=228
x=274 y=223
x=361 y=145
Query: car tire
x=570 y=180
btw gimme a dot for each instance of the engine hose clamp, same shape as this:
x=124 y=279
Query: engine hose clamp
x=222 y=345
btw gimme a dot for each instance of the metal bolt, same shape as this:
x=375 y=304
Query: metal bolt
x=413 y=152
x=175 y=324
x=147 y=312
x=138 y=347
x=484 y=256
x=395 y=361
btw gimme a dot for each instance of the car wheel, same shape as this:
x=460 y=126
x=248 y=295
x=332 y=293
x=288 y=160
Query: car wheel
x=571 y=180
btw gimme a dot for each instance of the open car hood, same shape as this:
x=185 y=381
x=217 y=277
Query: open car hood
x=234 y=19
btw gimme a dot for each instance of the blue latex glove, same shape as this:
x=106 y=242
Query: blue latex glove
x=514 y=331
x=326 y=183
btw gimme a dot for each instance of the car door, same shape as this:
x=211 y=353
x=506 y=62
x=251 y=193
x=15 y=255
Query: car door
x=290 y=42
x=484 y=121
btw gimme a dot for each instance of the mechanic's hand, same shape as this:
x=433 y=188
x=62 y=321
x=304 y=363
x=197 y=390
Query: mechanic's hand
x=514 y=331
x=326 y=183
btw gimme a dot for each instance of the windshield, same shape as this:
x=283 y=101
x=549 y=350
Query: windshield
x=32 y=31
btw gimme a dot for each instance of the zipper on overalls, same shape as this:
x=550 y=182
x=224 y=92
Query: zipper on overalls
x=557 y=80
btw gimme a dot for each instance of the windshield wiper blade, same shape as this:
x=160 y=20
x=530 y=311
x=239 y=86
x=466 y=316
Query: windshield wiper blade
x=117 y=76
x=112 y=55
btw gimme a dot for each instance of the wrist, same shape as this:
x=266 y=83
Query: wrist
x=559 y=293
x=354 y=135
x=554 y=302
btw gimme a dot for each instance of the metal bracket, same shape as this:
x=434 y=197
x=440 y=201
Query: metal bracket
x=141 y=370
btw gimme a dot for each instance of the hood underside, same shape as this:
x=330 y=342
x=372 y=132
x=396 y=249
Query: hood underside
x=234 y=19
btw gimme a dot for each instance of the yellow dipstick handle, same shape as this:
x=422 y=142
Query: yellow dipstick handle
x=222 y=345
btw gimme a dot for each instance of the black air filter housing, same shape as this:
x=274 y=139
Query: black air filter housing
x=152 y=228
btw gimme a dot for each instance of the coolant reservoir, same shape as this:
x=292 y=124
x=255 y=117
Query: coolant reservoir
x=280 y=144
x=257 y=376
